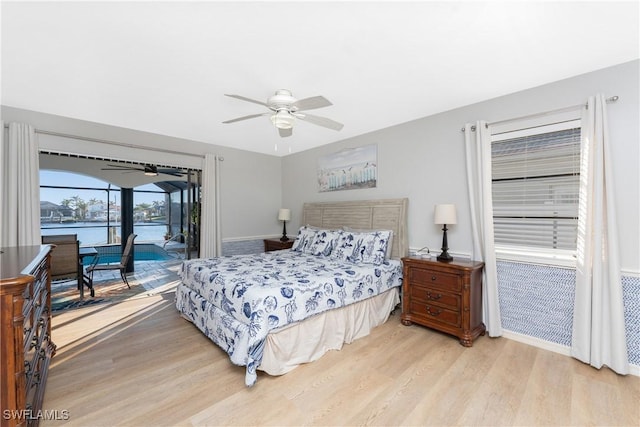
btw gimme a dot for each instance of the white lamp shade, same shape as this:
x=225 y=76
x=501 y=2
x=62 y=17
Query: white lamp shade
x=445 y=214
x=284 y=215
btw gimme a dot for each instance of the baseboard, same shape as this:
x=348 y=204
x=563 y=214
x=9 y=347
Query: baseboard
x=556 y=348
x=248 y=238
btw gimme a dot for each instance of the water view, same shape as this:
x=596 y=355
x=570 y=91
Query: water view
x=91 y=233
x=71 y=203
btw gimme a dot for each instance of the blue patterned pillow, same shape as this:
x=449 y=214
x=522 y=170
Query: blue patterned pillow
x=370 y=248
x=389 y=241
x=323 y=242
x=345 y=244
x=304 y=239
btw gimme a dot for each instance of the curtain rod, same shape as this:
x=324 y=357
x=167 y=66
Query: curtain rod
x=530 y=116
x=106 y=141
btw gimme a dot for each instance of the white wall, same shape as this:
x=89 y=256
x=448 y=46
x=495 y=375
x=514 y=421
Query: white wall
x=424 y=159
x=250 y=182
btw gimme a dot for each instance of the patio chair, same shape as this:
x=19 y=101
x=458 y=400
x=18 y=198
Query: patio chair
x=121 y=266
x=65 y=263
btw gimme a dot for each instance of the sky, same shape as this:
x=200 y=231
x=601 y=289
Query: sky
x=67 y=179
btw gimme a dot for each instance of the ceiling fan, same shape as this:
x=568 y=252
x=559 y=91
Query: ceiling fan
x=285 y=109
x=149 y=170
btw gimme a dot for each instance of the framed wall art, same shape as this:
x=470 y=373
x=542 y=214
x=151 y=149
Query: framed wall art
x=348 y=169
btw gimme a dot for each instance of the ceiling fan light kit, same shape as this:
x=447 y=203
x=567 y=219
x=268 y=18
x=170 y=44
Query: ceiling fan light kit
x=282 y=120
x=284 y=110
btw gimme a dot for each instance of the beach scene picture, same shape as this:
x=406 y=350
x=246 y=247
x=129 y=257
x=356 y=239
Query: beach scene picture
x=348 y=169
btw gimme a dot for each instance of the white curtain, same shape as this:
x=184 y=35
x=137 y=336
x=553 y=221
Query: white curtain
x=598 y=320
x=20 y=186
x=210 y=235
x=478 y=156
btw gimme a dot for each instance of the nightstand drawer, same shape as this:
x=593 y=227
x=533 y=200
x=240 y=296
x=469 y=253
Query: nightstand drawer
x=277 y=245
x=435 y=296
x=430 y=313
x=435 y=278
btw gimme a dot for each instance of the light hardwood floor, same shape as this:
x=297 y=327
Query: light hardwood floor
x=138 y=363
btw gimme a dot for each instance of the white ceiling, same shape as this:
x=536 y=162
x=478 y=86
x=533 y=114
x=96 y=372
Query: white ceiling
x=164 y=67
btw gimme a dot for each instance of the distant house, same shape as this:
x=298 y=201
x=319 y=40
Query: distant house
x=50 y=212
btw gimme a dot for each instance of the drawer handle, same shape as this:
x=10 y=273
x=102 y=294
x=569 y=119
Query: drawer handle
x=433 y=297
x=434 y=312
x=433 y=278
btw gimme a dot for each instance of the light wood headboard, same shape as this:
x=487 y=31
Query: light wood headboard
x=383 y=214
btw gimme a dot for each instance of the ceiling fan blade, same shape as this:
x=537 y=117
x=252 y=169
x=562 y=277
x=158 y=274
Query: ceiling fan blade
x=312 y=103
x=244 y=98
x=252 y=116
x=320 y=121
x=172 y=172
x=285 y=132
x=121 y=168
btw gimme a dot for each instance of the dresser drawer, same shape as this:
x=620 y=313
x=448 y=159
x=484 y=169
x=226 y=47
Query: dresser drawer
x=435 y=279
x=426 y=294
x=431 y=313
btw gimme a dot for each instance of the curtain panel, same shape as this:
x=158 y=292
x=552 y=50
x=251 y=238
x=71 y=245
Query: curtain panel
x=210 y=234
x=20 y=186
x=598 y=336
x=478 y=159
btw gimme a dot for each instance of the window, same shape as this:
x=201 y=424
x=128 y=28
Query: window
x=535 y=188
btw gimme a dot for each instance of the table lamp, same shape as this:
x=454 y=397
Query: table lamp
x=284 y=215
x=445 y=214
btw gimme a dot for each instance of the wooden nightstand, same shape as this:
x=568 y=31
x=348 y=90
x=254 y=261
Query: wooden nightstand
x=276 y=244
x=446 y=296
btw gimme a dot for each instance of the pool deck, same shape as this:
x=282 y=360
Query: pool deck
x=148 y=278
x=149 y=274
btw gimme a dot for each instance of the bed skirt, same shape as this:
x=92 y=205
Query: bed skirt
x=308 y=340
x=301 y=342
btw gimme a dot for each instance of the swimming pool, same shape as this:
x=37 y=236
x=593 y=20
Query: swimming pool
x=141 y=252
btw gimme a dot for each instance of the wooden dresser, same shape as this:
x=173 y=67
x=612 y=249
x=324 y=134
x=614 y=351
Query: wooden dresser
x=25 y=326
x=277 y=244
x=446 y=296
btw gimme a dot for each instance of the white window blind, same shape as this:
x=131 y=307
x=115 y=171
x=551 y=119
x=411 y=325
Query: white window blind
x=535 y=187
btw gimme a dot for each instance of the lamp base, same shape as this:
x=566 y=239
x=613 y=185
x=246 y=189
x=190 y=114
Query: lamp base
x=444 y=257
x=284 y=237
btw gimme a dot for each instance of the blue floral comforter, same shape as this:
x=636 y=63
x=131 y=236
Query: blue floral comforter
x=237 y=300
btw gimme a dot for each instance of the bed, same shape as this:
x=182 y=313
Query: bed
x=276 y=310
